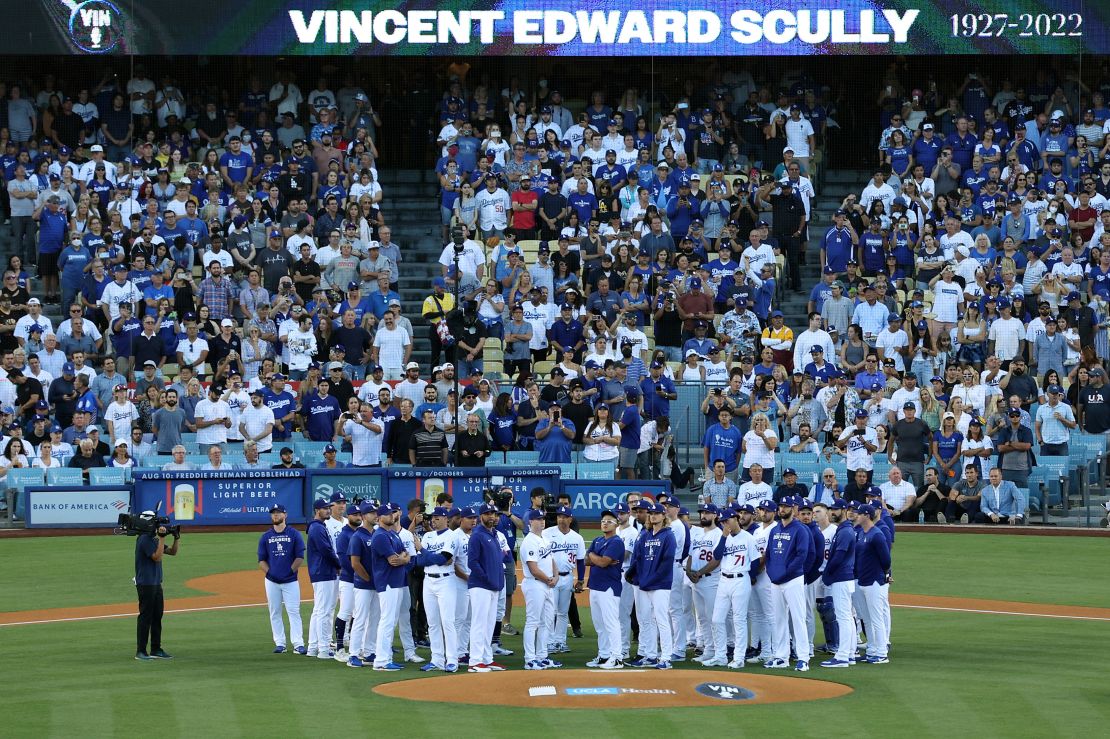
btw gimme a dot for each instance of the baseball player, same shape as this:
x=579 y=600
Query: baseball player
x=738 y=555
x=504 y=595
x=280 y=555
x=839 y=580
x=346 y=582
x=628 y=530
x=487 y=578
x=606 y=560
x=872 y=566
x=404 y=621
x=825 y=609
x=467 y=520
x=336 y=523
x=540 y=578
x=388 y=559
x=323 y=572
x=701 y=573
x=679 y=606
x=436 y=556
x=760 y=611
x=789 y=556
x=569 y=552
x=652 y=571
x=817 y=562
x=366 y=608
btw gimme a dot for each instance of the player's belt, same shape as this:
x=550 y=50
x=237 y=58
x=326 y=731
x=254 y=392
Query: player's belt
x=564 y=574
x=432 y=574
x=725 y=574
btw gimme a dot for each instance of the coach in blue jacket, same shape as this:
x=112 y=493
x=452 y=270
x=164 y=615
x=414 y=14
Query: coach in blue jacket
x=872 y=567
x=840 y=580
x=487 y=579
x=789 y=555
x=652 y=570
x=323 y=572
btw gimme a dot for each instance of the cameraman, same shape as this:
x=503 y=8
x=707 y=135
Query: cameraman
x=149 y=550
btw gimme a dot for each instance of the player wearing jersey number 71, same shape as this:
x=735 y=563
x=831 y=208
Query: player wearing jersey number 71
x=738 y=554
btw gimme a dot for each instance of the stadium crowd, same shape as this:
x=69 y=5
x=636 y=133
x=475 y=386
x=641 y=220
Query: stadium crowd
x=228 y=278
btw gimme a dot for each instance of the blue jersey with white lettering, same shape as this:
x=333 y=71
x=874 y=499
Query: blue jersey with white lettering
x=789 y=549
x=359 y=546
x=384 y=543
x=320 y=416
x=609 y=577
x=872 y=556
x=323 y=564
x=653 y=558
x=282 y=404
x=278 y=549
x=841 y=565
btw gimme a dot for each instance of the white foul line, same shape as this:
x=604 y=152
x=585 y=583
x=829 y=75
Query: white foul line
x=1001 y=613
x=132 y=615
x=309 y=600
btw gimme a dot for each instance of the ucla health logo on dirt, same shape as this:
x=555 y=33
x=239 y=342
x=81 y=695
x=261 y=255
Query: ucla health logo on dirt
x=618 y=691
x=725 y=692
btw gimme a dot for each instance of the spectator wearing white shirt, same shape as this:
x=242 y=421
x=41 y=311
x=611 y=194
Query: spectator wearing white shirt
x=120 y=414
x=257 y=422
x=392 y=347
x=365 y=435
x=876 y=189
x=120 y=290
x=908 y=393
x=213 y=419
x=34 y=317
x=899 y=496
x=493 y=206
x=1006 y=335
x=893 y=342
x=811 y=337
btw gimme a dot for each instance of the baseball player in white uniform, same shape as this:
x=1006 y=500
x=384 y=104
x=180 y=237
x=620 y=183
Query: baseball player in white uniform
x=737 y=552
x=436 y=556
x=335 y=523
x=679 y=606
x=628 y=530
x=821 y=597
x=701 y=573
x=281 y=552
x=462 y=574
x=540 y=578
x=569 y=553
x=760 y=613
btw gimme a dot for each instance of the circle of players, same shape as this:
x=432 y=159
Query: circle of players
x=742 y=586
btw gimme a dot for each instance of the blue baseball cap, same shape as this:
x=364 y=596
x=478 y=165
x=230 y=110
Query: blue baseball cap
x=320 y=503
x=804 y=503
x=838 y=504
x=658 y=508
x=384 y=509
x=455 y=511
x=469 y=512
x=488 y=507
x=727 y=514
x=564 y=511
x=338 y=497
x=532 y=515
x=768 y=505
x=622 y=508
x=861 y=413
x=695 y=283
x=441 y=511
x=439 y=282
x=788 y=501
x=743 y=508
x=865 y=510
x=683 y=511
x=789 y=471
x=873 y=492
x=643 y=504
x=352 y=509
x=708 y=508
x=367 y=507
x=277 y=508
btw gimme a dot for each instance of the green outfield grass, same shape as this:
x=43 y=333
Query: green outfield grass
x=954 y=674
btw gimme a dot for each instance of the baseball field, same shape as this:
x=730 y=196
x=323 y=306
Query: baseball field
x=992 y=635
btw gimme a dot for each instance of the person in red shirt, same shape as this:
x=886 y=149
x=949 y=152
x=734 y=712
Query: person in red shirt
x=524 y=202
x=1082 y=218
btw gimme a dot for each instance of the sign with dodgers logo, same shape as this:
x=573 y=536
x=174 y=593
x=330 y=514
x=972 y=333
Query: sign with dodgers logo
x=725 y=692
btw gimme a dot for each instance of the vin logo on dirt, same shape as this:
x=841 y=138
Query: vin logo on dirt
x=725 y=692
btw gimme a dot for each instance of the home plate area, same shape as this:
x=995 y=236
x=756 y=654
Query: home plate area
x=611 y=689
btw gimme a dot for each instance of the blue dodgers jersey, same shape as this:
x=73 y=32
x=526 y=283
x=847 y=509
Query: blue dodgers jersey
x=342 y=544
x=383 y=545
x=278 y=550
x=359 y=546
x=607 y=578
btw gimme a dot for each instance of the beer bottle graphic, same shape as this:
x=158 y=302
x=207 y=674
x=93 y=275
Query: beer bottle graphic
x=184 y=502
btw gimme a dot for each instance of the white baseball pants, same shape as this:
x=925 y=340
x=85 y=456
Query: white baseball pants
x=389 y=601
x=877 y=620
x=659 y=604
x=789 y=602
x=841 y=594
x=288 y=595
x=564 y=591
x=704 y=594
x=440 y=595
x=648 y=645
x=462 y=615
x=539 y=614
x=404 y=623
x=680 y=607
x=732 y=596
x=346 y=601
x=811 y=608
x=604 y=608
x=321 y=623
x=365 y=616
x=483 y=612
x=761 y=614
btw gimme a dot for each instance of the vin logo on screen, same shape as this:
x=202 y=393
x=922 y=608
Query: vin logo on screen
x=725 y=692
x=96 y=26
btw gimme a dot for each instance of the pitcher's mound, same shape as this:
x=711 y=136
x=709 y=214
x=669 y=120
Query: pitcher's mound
x=628 y=688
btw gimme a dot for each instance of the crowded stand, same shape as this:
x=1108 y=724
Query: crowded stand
x=211 y=281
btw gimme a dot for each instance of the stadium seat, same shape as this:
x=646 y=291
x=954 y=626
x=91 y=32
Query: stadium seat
x=108 y=475
x=596 y=470
x=64 y=476
x=523 y=458
x=15 y=482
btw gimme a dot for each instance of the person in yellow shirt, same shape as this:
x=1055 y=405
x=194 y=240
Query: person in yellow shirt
x=435 y=310
x=779 y=338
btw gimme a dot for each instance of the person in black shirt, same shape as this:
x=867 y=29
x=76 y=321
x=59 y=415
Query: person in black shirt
x=856 y=490
x=287 y=462
x=341 y=387
x=400 y=433
x=28 y=392
x=428 y=447
x=86 y=456
x=578 y=411
x=149 y=551
x=556 y=392
x=225 y=346
x=306 y=274
x=789 y=223
x=471 y=446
